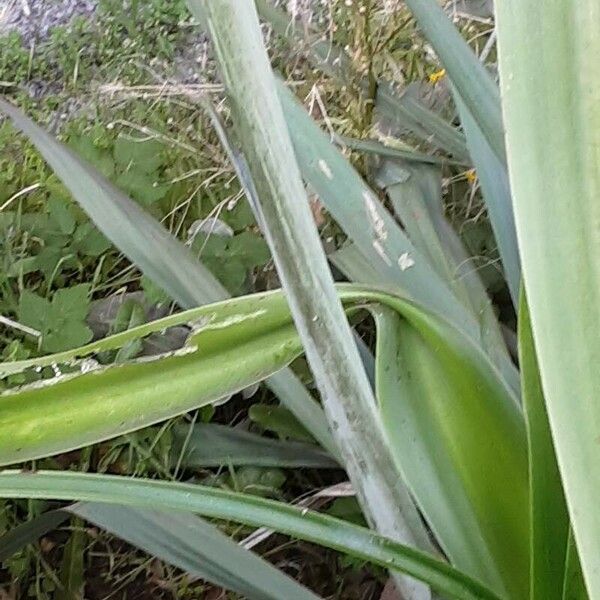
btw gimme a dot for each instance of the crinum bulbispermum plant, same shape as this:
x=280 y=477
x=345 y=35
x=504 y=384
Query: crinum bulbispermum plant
x=454 y=430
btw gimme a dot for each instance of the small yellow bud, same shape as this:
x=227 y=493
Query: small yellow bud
x=435 y=77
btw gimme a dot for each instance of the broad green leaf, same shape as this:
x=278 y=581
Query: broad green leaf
x=33 y=310
x=238 y=342
x=61 y=321
x=66 y=334
x=213 y=445
x=143 y=154
x=60 y=216
x=289 y=227
x=142 y=187
x=88 y=241
x=457 y=441
x=258 y=512
x=474 y=84
x=100 y=158
x=194 y=545
x=258 y=481
x=71 y=303
x=550 y=79
x=549 y=518
x=163 y=259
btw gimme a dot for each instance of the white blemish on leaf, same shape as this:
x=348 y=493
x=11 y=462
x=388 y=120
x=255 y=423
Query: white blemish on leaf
x=379 y=249
x=89 y=364
x=405 y=261
x=205 y=323
x=374 y=216
x=185 y=350
x=325 y=169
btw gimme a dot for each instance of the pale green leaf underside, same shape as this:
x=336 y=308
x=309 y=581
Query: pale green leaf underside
x=550 y=76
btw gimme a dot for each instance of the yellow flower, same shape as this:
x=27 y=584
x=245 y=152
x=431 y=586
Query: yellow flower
x=471 y=176
x=435 y=77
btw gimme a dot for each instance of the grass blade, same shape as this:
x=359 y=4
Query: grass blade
x=251 y=510
x=549 y=518
x=197 y=547
x=303 y=270
x=474 y=84
x=551 y=84
x=378 y=148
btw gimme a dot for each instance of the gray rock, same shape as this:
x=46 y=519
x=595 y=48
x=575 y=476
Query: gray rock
x=34 y=19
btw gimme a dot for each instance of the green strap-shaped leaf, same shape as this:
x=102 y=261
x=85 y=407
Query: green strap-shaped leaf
x=251 y=510
x=212 y=445
x=474 y=84
x=241 y=342
x=455 y=427
x=574 y=585
x=302 y=267
x=493 y=175
x=415 y=192
x=180 y=539
x=194 y=545
x=370 y=146
x=455 y=450
x=550 y=77
x=29 y=532
x=371 y=227
x=158 y=254
x=549 y=518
